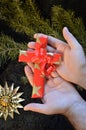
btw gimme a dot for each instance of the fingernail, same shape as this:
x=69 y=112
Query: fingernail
x=30 y=43
x=25 y=107
x=66 y=28
x=27 y=68
x=35 y=35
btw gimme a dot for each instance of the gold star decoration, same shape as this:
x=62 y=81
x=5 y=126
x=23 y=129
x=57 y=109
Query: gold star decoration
x=35 y=90
x=23 y=52
x=36 y=66
x=9 y=101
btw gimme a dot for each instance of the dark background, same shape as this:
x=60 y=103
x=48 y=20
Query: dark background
x=13 y=71
x=78 y=6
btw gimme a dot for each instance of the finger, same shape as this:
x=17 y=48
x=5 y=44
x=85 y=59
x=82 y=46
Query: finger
x=54 y=74
x=51 y=40
x=54 y=43
x=29 y=74
x=41 y=108
x=31 y=65
x=72 y=41
x=31 y=45
x=39 y=35
x=51 y=49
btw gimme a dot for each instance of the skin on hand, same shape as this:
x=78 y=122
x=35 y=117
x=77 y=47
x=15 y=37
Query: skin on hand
x=73 y=66
x=59 y=95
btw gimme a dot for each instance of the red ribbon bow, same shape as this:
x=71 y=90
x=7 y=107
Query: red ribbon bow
x=44 y=64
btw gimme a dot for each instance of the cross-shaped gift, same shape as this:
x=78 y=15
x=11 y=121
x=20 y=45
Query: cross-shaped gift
x=44 y=64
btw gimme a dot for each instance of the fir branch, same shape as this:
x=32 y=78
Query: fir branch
x=61 y=17
x=36 y=21
x=9 y=49
x=13 y=15
x=24 y=17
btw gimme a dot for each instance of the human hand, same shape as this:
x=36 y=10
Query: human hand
x=73 y=66
x=59 y=95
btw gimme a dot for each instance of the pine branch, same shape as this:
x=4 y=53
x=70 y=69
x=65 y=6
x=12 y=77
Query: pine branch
x=25 y=18
x=14 y=16
x=61 y=18
x=9 y=50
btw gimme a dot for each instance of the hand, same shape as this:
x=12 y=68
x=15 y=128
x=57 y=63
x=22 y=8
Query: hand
x=73 y=66
x=59 y=95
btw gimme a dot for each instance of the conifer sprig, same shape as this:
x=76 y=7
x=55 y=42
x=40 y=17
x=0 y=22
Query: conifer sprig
x=61 y=17
x=9 y=50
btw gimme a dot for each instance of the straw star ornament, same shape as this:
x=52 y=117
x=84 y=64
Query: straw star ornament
x=9 y=101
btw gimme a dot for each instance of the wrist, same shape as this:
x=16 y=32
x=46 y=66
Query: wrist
x=75 y=107
x=76 y=115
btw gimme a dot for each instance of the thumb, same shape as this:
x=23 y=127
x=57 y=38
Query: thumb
x=29 y=74
x=41 y=108
x=72 y=41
